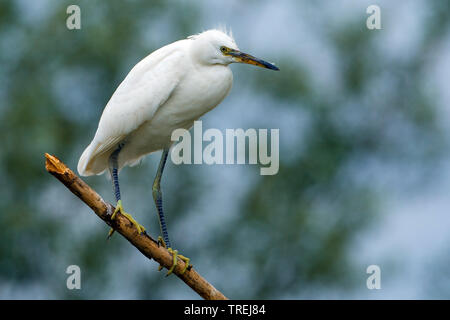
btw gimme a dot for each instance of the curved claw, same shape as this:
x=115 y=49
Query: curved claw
x=119 y=208
x=175 y=261
x=187 y=265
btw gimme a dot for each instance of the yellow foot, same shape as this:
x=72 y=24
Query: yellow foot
x=175 y=256
x=119 y=208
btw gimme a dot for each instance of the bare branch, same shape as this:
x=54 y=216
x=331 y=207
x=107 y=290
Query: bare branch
x=144 y=243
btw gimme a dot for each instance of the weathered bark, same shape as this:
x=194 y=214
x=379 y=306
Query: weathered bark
x=144 y=243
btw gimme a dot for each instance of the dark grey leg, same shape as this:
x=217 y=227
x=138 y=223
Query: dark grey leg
x=157 y=196
x=114 y=170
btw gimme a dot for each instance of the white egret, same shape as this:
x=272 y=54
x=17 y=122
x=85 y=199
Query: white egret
x=169 y=89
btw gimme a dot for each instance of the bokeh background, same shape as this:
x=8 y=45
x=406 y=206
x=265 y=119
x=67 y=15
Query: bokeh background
x=364 y=151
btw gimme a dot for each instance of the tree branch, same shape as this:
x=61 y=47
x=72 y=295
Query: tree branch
x=144 y=243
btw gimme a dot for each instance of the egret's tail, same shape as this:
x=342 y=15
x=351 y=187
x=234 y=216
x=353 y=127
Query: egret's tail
x=83 y=162
x=91 y=164
x=94 y=160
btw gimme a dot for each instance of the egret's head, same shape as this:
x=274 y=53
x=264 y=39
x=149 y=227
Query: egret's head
x=217 y=47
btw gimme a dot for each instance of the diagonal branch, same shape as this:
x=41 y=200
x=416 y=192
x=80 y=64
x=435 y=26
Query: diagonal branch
x=144 y=243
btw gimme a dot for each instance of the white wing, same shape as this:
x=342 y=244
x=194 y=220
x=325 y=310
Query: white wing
x=148 y=86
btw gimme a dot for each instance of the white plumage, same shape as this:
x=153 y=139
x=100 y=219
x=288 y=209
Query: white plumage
x=169 y=89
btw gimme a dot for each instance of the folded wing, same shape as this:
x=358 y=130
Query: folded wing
x=146 y=88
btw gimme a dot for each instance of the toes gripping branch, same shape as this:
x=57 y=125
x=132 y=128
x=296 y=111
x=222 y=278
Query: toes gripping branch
x=119 y=208
x=175 y=256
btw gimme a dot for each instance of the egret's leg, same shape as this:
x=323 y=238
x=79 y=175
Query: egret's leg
x=157 y=196
x=113 y=169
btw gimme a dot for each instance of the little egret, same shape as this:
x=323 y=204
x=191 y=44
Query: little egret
x=169 y=89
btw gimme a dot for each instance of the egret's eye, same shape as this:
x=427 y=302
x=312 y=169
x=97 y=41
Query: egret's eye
x=223 y=49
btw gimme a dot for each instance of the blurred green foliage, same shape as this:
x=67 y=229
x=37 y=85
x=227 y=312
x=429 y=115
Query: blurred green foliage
x=294 y=230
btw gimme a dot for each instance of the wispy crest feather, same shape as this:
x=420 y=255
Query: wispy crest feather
x=220 y=27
